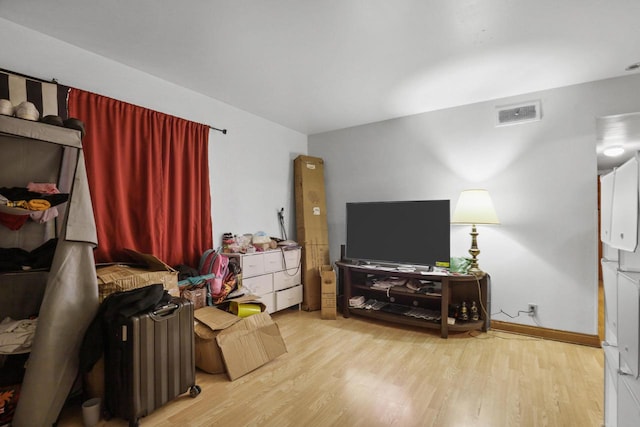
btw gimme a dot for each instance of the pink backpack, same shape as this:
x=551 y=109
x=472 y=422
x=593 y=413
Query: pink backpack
x=214 y=263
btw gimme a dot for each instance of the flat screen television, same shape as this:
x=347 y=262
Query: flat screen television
x=414 y=233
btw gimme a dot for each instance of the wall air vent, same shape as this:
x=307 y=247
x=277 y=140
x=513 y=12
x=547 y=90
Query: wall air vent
x=518 y=113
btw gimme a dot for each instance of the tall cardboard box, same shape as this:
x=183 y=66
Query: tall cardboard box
x=311 y=206
x=328 y=291
x=311 y=226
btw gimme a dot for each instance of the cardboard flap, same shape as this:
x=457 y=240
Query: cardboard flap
x=113 y=272
x=210 y=320
x=153 y=263
x=249 y=344
x=327 y=273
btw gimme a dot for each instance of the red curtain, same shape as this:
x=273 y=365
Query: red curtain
x=149 y=180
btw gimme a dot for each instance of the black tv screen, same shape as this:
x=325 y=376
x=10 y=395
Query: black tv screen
x=404 y=232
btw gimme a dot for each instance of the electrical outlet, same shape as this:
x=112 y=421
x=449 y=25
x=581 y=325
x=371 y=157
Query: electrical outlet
x=533 y=309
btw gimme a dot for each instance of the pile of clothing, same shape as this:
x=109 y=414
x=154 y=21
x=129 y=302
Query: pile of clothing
x=18 y=259
x=36 y=201
x=16 y=336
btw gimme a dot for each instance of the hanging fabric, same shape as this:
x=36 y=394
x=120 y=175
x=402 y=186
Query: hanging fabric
x=149 y=178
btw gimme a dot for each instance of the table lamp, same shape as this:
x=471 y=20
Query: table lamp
x=474 y=207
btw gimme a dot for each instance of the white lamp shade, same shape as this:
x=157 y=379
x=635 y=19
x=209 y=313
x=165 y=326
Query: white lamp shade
x=474 y=207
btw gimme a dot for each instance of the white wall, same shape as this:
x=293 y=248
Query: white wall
x=542 y=177
x=251 y=167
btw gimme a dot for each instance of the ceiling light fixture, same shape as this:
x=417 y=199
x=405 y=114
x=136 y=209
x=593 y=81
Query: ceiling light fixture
x=614 y=150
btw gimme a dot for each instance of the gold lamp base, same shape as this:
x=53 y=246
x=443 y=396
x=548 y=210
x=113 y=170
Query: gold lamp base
x=474 y=251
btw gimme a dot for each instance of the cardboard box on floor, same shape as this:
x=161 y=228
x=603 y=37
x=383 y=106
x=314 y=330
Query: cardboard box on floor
x=313 y=258
x=120 y=277
x=237 y=346
x=328 y=290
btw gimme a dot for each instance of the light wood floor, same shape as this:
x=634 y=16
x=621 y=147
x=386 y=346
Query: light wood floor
x=360 y=372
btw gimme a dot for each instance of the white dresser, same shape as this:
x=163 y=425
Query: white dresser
x=274 y=276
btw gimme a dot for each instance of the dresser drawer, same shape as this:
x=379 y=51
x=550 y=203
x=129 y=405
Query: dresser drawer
x=252 y=265
x=269 y=301
x=286 y=279
x=280 y=259
x=272 y=261
x=259 y=285
x=288 y=297
x=291 y=259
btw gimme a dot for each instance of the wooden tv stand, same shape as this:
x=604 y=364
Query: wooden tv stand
x=454 y=290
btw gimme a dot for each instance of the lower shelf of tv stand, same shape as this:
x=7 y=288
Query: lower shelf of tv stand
x=421 y=323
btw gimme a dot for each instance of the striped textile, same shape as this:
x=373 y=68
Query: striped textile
x=49 y=98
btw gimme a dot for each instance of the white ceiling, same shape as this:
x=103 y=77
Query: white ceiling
x=319 y=65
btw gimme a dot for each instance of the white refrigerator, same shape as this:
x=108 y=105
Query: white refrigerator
x=619 y=216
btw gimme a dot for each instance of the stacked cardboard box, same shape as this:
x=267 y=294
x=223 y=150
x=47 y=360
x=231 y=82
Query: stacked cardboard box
x=119 y=277
x=328 y=288
x=312 y=228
